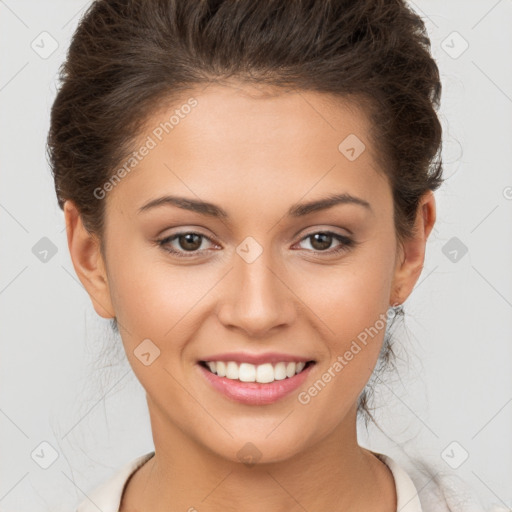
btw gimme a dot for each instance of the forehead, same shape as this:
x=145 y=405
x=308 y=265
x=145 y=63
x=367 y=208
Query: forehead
x=238 y=141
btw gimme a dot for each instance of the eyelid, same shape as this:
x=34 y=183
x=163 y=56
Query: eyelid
x=163 y=241
x=190 y=230
x=324 y=229
x=174 y=236
x=346 y=243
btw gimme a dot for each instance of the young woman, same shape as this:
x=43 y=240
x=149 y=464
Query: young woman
x=248 y=192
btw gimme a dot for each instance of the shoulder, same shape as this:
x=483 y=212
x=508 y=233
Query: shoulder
x=107 y=496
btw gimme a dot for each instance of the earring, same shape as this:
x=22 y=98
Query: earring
x=395 y=309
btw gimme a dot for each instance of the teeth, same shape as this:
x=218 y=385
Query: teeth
x=262 y=373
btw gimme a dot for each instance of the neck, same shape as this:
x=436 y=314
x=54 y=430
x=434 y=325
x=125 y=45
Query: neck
x=184 y=475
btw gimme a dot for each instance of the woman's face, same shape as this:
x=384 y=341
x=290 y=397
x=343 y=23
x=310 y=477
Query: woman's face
x=255 y=280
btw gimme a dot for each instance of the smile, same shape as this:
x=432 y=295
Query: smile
x=264 y=384
x=262 y=373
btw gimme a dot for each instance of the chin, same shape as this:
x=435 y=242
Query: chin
x=255 y=451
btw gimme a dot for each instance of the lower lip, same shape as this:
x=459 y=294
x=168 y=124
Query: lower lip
x=255 y=393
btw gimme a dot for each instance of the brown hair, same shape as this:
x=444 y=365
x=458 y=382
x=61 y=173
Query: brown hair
x=129 y=58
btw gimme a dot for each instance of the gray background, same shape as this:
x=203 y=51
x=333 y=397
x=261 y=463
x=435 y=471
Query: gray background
x=64 y=380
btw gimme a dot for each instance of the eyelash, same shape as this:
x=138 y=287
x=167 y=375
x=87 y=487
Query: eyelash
x=347 y=243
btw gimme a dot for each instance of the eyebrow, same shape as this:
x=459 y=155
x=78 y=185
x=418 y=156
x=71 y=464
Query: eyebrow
x=212 y=210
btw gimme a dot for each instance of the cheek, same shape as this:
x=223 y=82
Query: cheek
x=158 y=300
x=155 y=302
x=355 y=311
x=352 y=302
x=353 y=319
x=352 y=296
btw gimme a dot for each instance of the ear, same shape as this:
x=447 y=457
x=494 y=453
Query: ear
x=411 y=253
x=84 y=249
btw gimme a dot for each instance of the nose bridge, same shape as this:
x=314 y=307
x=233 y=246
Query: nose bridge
x=257 y=300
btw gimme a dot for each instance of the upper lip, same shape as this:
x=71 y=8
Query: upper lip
x=267 y=357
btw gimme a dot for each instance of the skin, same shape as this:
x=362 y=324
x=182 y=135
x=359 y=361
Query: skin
x=254 y=154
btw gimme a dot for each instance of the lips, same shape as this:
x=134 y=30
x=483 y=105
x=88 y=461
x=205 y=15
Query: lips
x=255 y=378
x=255 y=393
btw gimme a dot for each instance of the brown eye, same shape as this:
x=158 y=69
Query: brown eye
x=185 y=242
x=321 y=242
x=189 y=241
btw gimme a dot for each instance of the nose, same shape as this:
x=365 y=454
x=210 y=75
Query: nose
x=257 y=299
